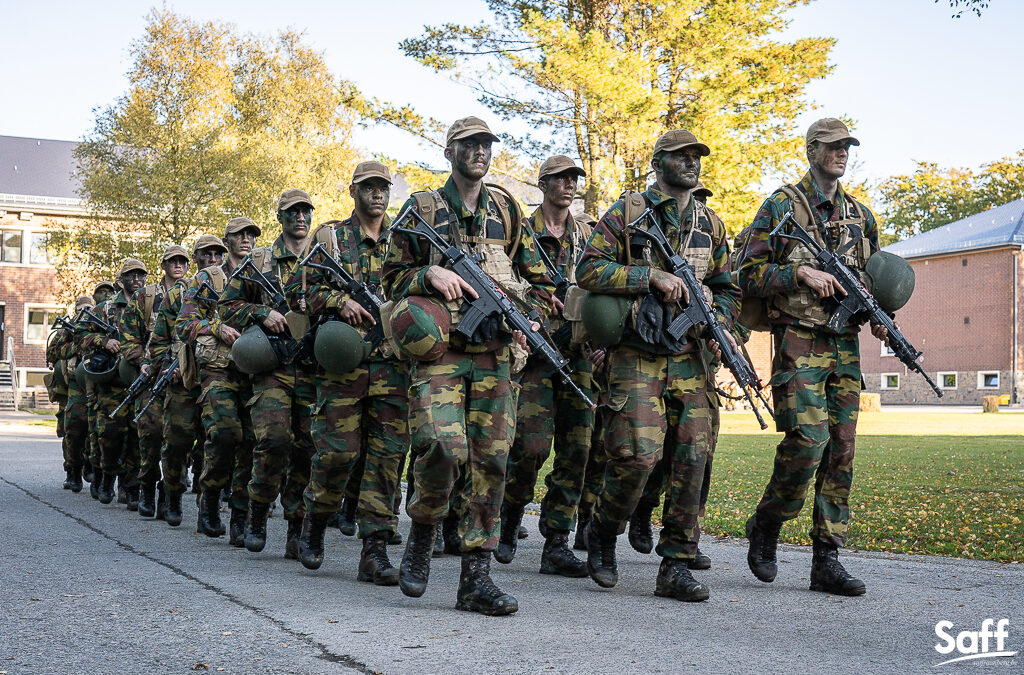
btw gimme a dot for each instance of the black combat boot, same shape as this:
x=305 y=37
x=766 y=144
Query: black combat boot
x=67 y=480
x=147 y=500
x=764 y=540
x=523 y=533
x=122 y=494
x=94 y=484
x=236 y=527
x=395 y=538
x=676 y=581
x=347 y=517
x=511 y=518
x=173 y=515
x=209 y=522
x=133 y=497
x=415 y=568
x=450 y=529
x=477 y=593
x=702 y=561
x=87 y=472
x=256 y=526
x=161 y=501
x=291 y=542
x=311 y=540
x=601 y=556
x=438 y=551
x=107 y=488
x=335 y=519
x=828 y=574
x=641 y=535
x=373 y=561
x=558 y=559
x=75 y=479
x=580 y=540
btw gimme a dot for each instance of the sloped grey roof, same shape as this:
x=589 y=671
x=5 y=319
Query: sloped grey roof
x=38 y=167
x=998 y=226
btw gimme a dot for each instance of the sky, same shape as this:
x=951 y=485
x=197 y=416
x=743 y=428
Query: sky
x=920 y=85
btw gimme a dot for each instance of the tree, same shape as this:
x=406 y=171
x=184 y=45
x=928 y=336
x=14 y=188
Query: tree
x=961 y=6
x=601 y=79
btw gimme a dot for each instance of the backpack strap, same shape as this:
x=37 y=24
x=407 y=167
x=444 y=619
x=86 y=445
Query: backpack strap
x=510 y=213
x=633 y=204
x=218 y=278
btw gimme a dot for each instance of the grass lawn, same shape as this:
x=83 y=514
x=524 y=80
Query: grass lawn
x=943 y=484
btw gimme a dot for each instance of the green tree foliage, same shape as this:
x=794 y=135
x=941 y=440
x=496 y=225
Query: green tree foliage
x=213 y=125
x=601 y=79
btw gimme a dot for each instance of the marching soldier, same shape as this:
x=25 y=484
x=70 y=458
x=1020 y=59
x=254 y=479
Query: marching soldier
x=103 y=291
x=63 y=352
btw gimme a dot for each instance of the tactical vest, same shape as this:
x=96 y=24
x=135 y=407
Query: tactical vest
x=572 y=311
x=263 y=258
x=211 y=352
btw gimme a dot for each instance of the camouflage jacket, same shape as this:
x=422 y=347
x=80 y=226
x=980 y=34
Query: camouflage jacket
x=135 y=329
x=199 y=318
x=60 y=346
x=244 y=303
x=110 y=310
x=166 y=319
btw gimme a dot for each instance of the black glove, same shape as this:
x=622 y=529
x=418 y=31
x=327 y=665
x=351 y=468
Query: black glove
x=487 y=329
x=650 y=320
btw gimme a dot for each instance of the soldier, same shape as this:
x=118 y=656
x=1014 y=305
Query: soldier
x=103 y=291
x=63 y=352
x=230 y=438
x=139 y=321
x=658 y=387
x=548 y=409
x=117 y=438
x=461 y=399
x=362 y=410
x=816 y=377
x=284 y=394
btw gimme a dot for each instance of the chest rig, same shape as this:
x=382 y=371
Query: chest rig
x=578 y=234
x=263 y=258
x=211 y=352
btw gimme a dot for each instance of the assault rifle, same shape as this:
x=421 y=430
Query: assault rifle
x=858 y=305
x=698 y=312
x=133 y=391
x=65 y=322
x=563 y=335
x=491 y=301
x=89 y=317
x=260 y=279
x=166 y=375
x=341 y=280
x=208 y=294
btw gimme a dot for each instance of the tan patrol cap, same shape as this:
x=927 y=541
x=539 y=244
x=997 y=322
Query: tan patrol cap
x=290 y=198
x=702 y=191
x=239 y=224
x=104 y=284
x=130 y=264
x=174 y=251
x=829 y=130
x=469 y=126
x=368 y=170
x=558 y=164
x=84 y=301
x=677 y=139
x=208 y=241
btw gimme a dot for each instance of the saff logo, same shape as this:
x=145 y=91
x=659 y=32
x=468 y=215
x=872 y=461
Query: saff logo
x=973 y=644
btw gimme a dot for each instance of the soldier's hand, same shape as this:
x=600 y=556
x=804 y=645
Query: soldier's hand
x=144 y=369
x=112 y=345
x=227 y=334
x=822 y=283
x=449 y=284
x=597 y=357
x=556 y=306
x=672 y=287
x=520 y=337
x=716 y=348
x=275 y=323
x=879 y=331
x=354 y=313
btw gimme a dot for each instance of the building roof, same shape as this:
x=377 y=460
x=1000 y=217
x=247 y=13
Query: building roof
x=38 y=167
x=998 y=226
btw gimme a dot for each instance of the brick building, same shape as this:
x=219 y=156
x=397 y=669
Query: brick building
x=964 y=314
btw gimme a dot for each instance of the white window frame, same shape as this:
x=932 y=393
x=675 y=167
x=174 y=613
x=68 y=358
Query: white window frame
x=886 y=350
x=36 y=306
x=981 y=379
x=882 y=382
x=956 y=379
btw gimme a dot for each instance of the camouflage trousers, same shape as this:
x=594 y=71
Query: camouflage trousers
x=656 y=406
x=183 y=429
x=816 y=392
x=230 y=438
x=593 y=475
x=92 y=443
x=62 y=402
x=549 y=410
x=118 y=438
x=76 y=427
x=281 y=411
x=462 y=418
x=364 y=412
x=151 y=437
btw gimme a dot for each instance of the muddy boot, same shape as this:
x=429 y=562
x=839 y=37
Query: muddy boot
x=450 y=530
x=374 y=565
x=601 y=556
x=236 y=527
x=477 y=593
x=415 y=569
x=173 y=516
x=75 y=479
x=256 y=526
x=641 y=534
x=107 y=488
x=438 y=550
x=133 y=497
x=147 y=500
x=291 y=542
x=311 y=540
x=161 y=501
x=558 y=559
x=702 y=561
x=676 y=581
x=511 y=518
x=347 y=517
x=828 y=574
x=209 y=522
x=580 y=540
x=87 y=471
x=763 y=542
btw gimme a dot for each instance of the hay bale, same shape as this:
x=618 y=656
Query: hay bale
x=989 y=404
x=870 y=402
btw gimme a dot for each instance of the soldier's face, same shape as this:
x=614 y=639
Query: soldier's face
x=295 y=220
x=240 y=243
x=206 y=257
x=559 y=190
x=829 y=159
x=132 y=281
x=470 y=157
x=679 y=168
x=101 y=295
x=176 y=267
x=371 y=196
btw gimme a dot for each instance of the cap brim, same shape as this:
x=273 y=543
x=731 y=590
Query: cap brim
x=469 y=133
x=361 y=179
x=213 y=245
x=838 y=136
x=559 y=170
x=288 y=204
x=704 y=150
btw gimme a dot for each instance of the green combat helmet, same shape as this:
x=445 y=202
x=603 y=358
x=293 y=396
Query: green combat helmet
x=126 y=372
x=339 y=347
x=101 y=367
x=604 y=317
x=892 y=280
x=79 y=374
x=419 y=326
x=253 y=353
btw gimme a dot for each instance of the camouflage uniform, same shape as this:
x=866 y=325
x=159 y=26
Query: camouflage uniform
x=361 y=415
x=462 y=406
x=658 y=401
x=64 y=347
x=282 y=399
x=816 y=377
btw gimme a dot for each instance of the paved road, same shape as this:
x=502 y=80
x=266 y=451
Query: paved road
x=92 y=588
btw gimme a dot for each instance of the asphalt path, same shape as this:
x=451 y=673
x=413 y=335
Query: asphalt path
x=92 y=588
